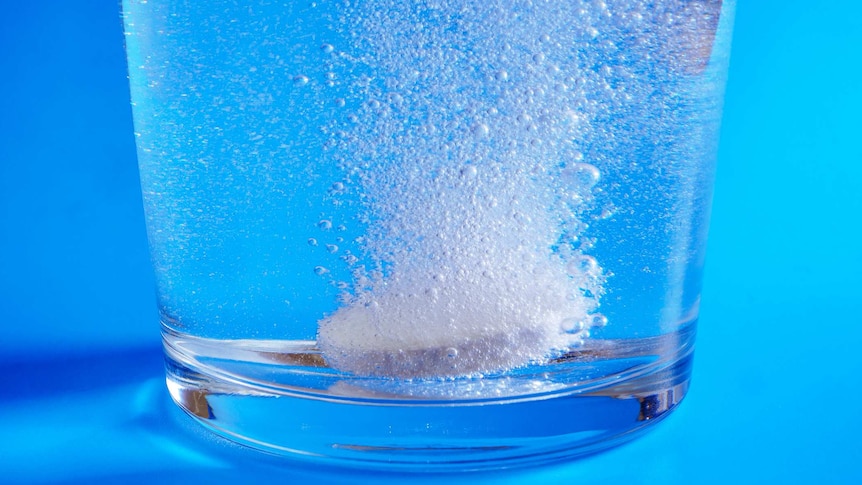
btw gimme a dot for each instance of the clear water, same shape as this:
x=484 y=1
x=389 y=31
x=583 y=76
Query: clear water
x=454 y=201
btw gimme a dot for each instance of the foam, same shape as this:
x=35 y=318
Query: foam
x=473 y=194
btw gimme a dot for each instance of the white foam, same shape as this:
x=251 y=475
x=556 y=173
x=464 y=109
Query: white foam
x=471 y=317
x=471 y=189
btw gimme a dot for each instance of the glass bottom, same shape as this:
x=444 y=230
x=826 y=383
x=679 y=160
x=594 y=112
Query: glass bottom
x=280 y=397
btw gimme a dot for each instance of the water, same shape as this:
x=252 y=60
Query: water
x=355 y=207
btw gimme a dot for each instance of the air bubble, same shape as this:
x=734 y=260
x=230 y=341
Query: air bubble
x=588 y=264
x=583 y=265
x=480 y=130
x=451 y=352
x=581 y=175
x=538 y=57
x=332 y=248
x=320 y=270
x=340 y=102
x=327 y=48
x=312 y=241
x=571 y=116
x=325 y=224
x=501 y=75
x=469 y=171
x=337 y=187
x=572 y=325
x=598 y=320
x=300 y=80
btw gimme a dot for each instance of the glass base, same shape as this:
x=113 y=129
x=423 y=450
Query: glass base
x=280 y=397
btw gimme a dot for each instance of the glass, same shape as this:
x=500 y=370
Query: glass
x=437 y=235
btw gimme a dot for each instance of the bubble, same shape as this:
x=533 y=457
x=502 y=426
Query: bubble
x=469 y=171
x=341 y=227
x=332 y=248
x=501 y=75
x=327 y=48
x=571 y=116
x=581 y=175
x=598 y=320
x=588 y=264
x=340 y=102
x=572 y=325
x=300 y=80
x=337 y=187
x=312 y=241
x=320 y=270
x=325 y=224
x=583 y=265
x=374 y=104
x=451 y=352
x=538 y=57
x=480 y=130
x=544 y=38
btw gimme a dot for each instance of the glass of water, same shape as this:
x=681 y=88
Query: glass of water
x=440 y=234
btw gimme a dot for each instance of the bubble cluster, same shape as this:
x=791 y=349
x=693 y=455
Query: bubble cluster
x=474 y=187
x=461 y=175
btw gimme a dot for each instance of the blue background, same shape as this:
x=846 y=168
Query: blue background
x=776 y=391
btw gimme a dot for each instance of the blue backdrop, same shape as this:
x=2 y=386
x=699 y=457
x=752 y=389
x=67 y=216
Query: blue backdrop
x=776 y=383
